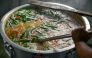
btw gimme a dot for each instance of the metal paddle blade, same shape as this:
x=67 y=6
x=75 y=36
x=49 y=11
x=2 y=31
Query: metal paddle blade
x=59 y=37
x=54 y=38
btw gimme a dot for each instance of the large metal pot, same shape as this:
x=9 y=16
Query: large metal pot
x=21 y=52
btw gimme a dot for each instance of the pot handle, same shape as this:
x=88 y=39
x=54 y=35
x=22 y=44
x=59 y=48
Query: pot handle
x=9 y=50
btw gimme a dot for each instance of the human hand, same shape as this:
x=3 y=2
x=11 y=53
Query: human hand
x=80 y=35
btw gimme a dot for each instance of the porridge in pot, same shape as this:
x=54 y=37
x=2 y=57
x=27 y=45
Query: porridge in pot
x=27 y=25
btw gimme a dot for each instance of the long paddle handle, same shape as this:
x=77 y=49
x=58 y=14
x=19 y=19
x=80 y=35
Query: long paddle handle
x=59 y=37
x=58 y=7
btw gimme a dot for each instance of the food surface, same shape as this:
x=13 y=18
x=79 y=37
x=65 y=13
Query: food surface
x=27 y=25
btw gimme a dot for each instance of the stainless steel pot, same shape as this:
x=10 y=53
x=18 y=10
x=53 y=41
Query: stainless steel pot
x=21 y=52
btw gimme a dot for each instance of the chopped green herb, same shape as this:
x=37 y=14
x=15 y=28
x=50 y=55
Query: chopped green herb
x=39 y=33
x=23 y=41
x=68 y=40
x=12 y=37
x=45 y=29
x=69 y=25
x=15 y=21
x=33 y=40
x=27 y=34
x=51 y=26
x=33 y=29
x=25 y=45
x=35 y=36
x=22 y=35
x=39 y=13
x=60 y=21
x=8 y=24
x=46 y=47
x=27 y=8
x=51 y=12
x=57 y=16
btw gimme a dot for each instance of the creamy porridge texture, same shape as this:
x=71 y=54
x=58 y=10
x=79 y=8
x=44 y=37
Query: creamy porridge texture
x=27 y=25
